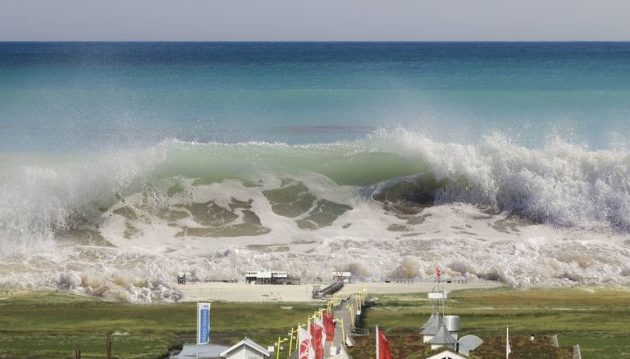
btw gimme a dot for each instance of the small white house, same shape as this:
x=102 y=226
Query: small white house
x=447 y=354
x=442 y=339
x=246 y=349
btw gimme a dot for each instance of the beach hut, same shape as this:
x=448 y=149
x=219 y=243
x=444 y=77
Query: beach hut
x=431 y=327
x=208 y=351
x=246 y=349
x=447 y=354
x=442 y=339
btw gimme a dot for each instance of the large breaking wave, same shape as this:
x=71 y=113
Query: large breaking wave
x=102 y=223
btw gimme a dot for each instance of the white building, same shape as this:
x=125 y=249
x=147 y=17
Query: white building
x=343 y=277
x=447 y=354
x=207 y=351
x=441 y=331
x=246 y=349
x=442 y=339
x=270 y=277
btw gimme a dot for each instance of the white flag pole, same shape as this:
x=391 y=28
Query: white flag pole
x=508 y=349
x=197 y=337
x=376 y=331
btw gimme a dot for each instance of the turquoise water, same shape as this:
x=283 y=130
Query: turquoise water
x=75 y=96
x=142 y=160
x=533 y=129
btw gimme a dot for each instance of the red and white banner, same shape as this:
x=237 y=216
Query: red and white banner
x=329 y=326
x=305 y=344
x=317 y=335
x=383 y=350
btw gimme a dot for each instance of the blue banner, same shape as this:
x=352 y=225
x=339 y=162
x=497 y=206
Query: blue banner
x=203 y=323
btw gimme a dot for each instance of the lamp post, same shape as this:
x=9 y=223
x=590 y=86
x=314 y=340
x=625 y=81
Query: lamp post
x=290 y=343
x=280 y=341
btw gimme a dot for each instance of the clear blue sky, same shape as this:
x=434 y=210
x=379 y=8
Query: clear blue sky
x=271 y=20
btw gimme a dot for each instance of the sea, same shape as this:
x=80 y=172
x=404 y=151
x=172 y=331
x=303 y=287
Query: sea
x=124 y=164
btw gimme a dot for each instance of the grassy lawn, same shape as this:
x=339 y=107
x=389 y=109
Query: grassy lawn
x=51 y=325
x=598 y=320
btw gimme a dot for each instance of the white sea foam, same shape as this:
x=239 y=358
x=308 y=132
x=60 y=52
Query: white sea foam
x=561 y=184
x=557 y=215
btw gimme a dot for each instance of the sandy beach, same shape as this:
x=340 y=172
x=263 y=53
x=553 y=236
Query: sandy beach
x=241 y=292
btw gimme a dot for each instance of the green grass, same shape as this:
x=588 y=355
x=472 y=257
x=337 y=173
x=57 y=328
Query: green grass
x=598 y=320
x=51 y=325
x=411 y=347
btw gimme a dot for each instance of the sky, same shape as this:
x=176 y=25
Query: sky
x=314 y=20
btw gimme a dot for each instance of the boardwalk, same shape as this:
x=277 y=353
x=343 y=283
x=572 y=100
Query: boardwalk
x=343 y=313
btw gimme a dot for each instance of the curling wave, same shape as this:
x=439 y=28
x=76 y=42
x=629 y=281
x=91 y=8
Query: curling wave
x=369 y=201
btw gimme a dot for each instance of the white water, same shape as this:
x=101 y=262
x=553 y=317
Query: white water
x=560 y=215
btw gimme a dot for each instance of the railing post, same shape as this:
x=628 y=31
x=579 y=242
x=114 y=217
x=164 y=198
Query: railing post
x=109 y=347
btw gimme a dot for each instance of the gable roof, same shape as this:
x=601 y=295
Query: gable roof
x=443 y=337
x=430 y=321
x=447 y=354
x=432 y=325
x=250 y=344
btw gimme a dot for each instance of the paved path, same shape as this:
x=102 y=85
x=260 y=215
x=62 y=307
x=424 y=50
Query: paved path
x=342 y=312
x=240 y=292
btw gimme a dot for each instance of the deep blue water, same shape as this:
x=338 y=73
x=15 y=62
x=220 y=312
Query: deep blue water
x=75 y=96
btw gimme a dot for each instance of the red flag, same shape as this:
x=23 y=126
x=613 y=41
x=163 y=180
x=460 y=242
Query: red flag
x=438 y=272
x=317 y=333
x=305 y=346
x=384 y=351
x=329 y=325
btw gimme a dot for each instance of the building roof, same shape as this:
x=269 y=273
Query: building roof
x=250 y=344
x=207 y=351
x=432 y=325
x=447 y=354
x=429 y=321
x=468 y=343
x=443 y=337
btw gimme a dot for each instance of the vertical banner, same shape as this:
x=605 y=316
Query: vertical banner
x=383 y=349
x=203 y=323
x=329 y=325
x=317 y=338
x=305 y=346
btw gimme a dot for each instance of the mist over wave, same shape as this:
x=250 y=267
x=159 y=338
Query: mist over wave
x=100 y=223
x=43 y=193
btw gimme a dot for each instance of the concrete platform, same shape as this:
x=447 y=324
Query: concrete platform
x=241 y=292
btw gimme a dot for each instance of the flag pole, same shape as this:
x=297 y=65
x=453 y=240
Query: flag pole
x=343 y=330
x=290 y=343
x=508 y=349
x=197 y=337
x=298 y=344
x=376 y=332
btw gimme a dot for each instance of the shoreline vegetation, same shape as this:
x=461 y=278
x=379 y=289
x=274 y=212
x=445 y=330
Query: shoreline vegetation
x=52 y=324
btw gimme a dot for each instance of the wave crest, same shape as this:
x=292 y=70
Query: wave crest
x=562 y=184
x=373 y=201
